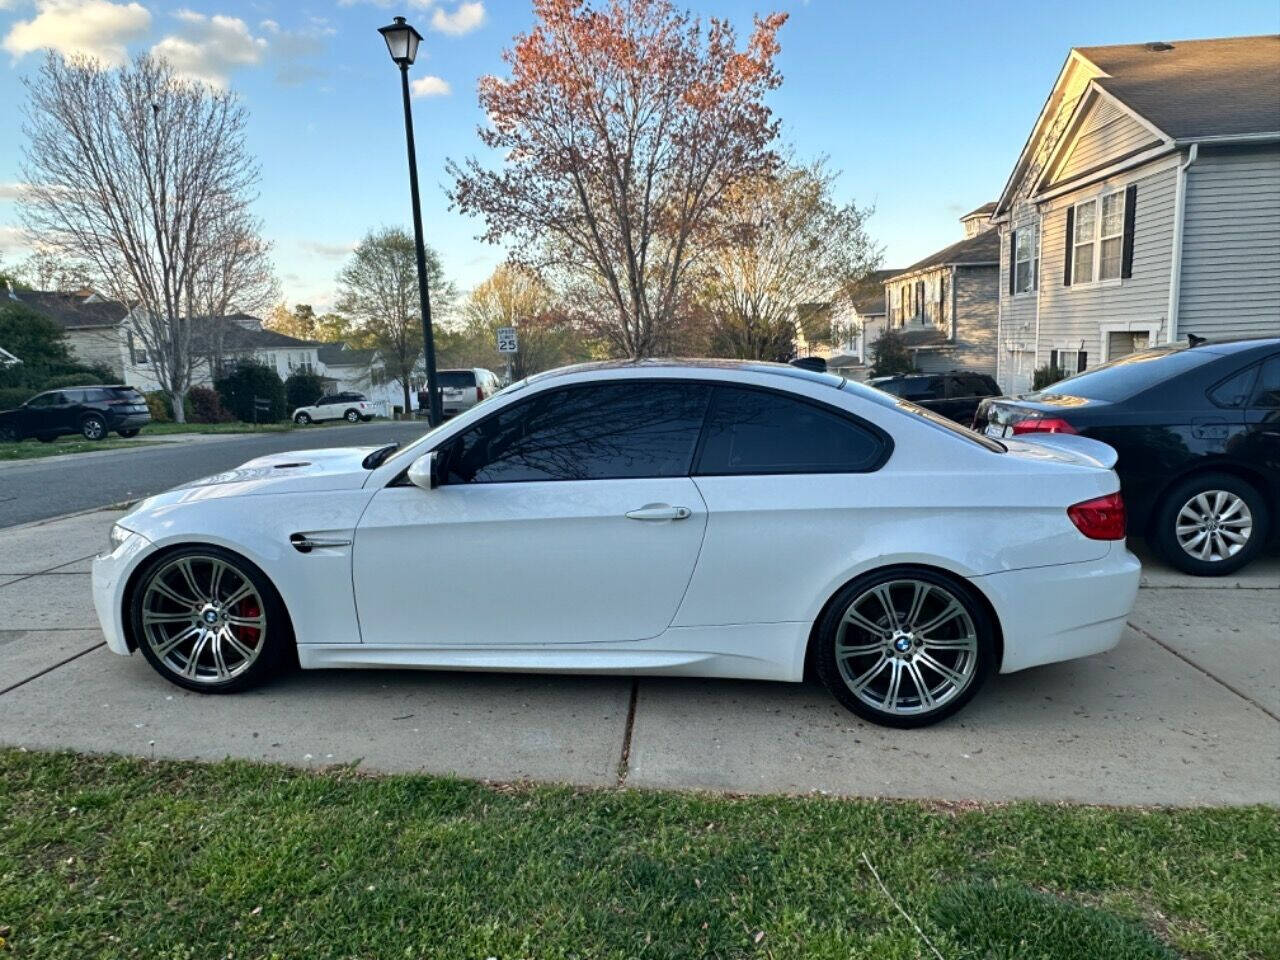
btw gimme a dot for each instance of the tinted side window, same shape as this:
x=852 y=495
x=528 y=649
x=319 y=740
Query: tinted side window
x=1235 y=390
x=964 y=386
x=605 y=432
x=1267 y=391
x=920 y=388
x=760 y=432
x=44 y=400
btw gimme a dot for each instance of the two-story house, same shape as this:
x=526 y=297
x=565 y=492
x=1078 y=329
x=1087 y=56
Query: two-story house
x=845 y=326
x=945 y=306
x=1144 y=207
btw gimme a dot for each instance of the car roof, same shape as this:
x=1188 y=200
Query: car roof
x=783 y=370
x=1228 y=347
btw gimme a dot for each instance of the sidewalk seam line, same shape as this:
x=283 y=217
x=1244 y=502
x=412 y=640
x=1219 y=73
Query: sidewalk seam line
x=41 y=573
x=60 y=663
x=624 y=761
x=1218 y=680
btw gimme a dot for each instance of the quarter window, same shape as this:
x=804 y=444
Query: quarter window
x=1267 y=392
x=760 y=432
x=605 y=432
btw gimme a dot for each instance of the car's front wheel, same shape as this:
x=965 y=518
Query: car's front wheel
x=352 y=416
x=1211 y=524
x=905 y=648
x=209 y=620
x=93 y=427
x=301 y=419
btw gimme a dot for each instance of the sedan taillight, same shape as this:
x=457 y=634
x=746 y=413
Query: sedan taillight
x=1101 y=518
x=479 y=394
x=1042 y=425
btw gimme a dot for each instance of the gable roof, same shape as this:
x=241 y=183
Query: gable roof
x=341 y=355
x=72 y=311
x=867 y=296
x=981 y=248
x=1191 y=89
x=983 y=211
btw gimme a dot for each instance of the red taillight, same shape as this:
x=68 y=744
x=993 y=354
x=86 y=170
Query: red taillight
x=1042 y=425
x=1101 y=518
x=479 y=394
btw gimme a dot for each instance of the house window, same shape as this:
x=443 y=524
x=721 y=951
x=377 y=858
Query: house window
x=1026 y=259
x=1121 y=343
x=1098 y=243
x=1069 y=361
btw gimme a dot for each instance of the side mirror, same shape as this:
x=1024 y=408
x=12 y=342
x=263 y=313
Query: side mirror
x=422 y=472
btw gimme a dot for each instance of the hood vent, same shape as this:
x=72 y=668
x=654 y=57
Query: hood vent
x=287 y=466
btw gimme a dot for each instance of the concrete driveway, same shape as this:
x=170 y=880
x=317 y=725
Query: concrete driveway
x=1185 y=711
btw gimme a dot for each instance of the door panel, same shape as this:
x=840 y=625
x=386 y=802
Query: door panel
x=525 y=563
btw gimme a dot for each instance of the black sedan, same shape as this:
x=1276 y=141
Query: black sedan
x=92 y=412
x=1197 y=430
x=955 y=395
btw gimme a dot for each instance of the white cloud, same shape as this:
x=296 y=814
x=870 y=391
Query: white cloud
x=12 y=239
x=12 y=191
x=299 y=55
x=430 y=86
x=334 y=250
x=209 y=48
x=94 y=28
x=467 y=17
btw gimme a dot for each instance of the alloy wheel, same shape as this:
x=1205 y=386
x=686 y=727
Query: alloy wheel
x=203 y=619
x=352 y=416
x=906 y=647
x=93 y=429
x=1214 y=525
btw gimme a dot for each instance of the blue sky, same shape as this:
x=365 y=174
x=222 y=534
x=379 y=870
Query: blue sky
x=922 y=106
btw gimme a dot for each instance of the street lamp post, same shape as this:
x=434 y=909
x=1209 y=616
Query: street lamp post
x=402 y=43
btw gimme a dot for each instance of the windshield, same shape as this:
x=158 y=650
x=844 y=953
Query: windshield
x=1128 y=376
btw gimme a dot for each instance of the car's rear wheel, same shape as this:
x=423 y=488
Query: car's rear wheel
x=93 y=427
x=906 y=647
x=8 y=434
x=133 y=432
x=208 y=620
x=352 y=416
x=1211 y=524
x=301 y=419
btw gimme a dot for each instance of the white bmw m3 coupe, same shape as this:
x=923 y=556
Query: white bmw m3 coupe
x=702 y=518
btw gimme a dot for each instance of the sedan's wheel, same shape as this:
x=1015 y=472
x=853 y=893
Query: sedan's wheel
x=302 y=419
x=93 y=428
x=905 y=648
x=1211 y=524
x=352 y=416
x=8 y=434
x=208 y=620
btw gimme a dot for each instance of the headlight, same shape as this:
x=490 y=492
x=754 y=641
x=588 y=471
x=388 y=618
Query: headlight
x=118 y=536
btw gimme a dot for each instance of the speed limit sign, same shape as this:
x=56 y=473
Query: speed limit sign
x=507 y=342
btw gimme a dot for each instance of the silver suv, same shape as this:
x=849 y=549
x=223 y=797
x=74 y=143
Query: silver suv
x=461 y=389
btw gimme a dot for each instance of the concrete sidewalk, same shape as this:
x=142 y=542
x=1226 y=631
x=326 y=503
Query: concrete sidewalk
x=1185 y=711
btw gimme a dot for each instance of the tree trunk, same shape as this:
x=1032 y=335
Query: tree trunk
x=404 y=382
x=175 y=403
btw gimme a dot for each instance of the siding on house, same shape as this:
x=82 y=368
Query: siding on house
x=976 y=332
x=98 y=345
x=1107 y=134
x=1015 y=346
x=1231 y=244
x=1076 y=314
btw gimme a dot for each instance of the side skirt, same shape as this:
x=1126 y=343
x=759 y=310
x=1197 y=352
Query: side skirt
x=758 y=651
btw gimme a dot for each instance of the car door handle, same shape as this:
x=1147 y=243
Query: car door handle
x=659 y=511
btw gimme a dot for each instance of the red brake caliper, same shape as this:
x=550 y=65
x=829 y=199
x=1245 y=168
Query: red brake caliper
x=249 y=635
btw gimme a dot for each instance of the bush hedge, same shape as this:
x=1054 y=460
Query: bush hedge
x=11 y=397
x=206 y=406
x=247 y=381
x=303 y=389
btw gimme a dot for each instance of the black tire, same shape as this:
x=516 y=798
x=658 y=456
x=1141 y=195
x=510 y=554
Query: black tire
x=127 y=434
x=9 y=434
x=274 y=644
x=302 y=419
x=974 y=663
x=352 y=416
x=93 y=427
x=1225 y=524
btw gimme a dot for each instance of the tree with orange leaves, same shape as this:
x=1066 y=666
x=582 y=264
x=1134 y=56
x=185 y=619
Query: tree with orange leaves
x=623 y=128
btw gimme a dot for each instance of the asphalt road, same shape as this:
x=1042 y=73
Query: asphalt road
x=38 y=489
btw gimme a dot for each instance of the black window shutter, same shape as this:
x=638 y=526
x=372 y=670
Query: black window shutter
x=1082 y=361
x=1070 y=246
x=1013 y=261
x=1126 y=245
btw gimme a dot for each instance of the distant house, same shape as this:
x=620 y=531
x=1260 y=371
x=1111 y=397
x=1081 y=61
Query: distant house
x=946 y=305
x=849 y=326
x=94 y=326
x=1144 y=207
x=348 y=368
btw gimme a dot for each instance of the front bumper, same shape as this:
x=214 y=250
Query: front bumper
x=1062 y=612
x=111 y=572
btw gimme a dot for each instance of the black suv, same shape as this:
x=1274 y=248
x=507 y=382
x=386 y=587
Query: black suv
x=955 y=395
x=92 y=412
x=1197 y=432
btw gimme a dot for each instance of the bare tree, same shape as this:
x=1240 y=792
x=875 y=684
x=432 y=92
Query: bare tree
x=45 y=270
x=130 y=171
x=233 y=275
x=379 y=292
x=789 y=251
x=622 y=125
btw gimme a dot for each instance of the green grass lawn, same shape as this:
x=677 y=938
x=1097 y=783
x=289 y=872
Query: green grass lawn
x=154 y=429
x=109 y=857
x=34 y=449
